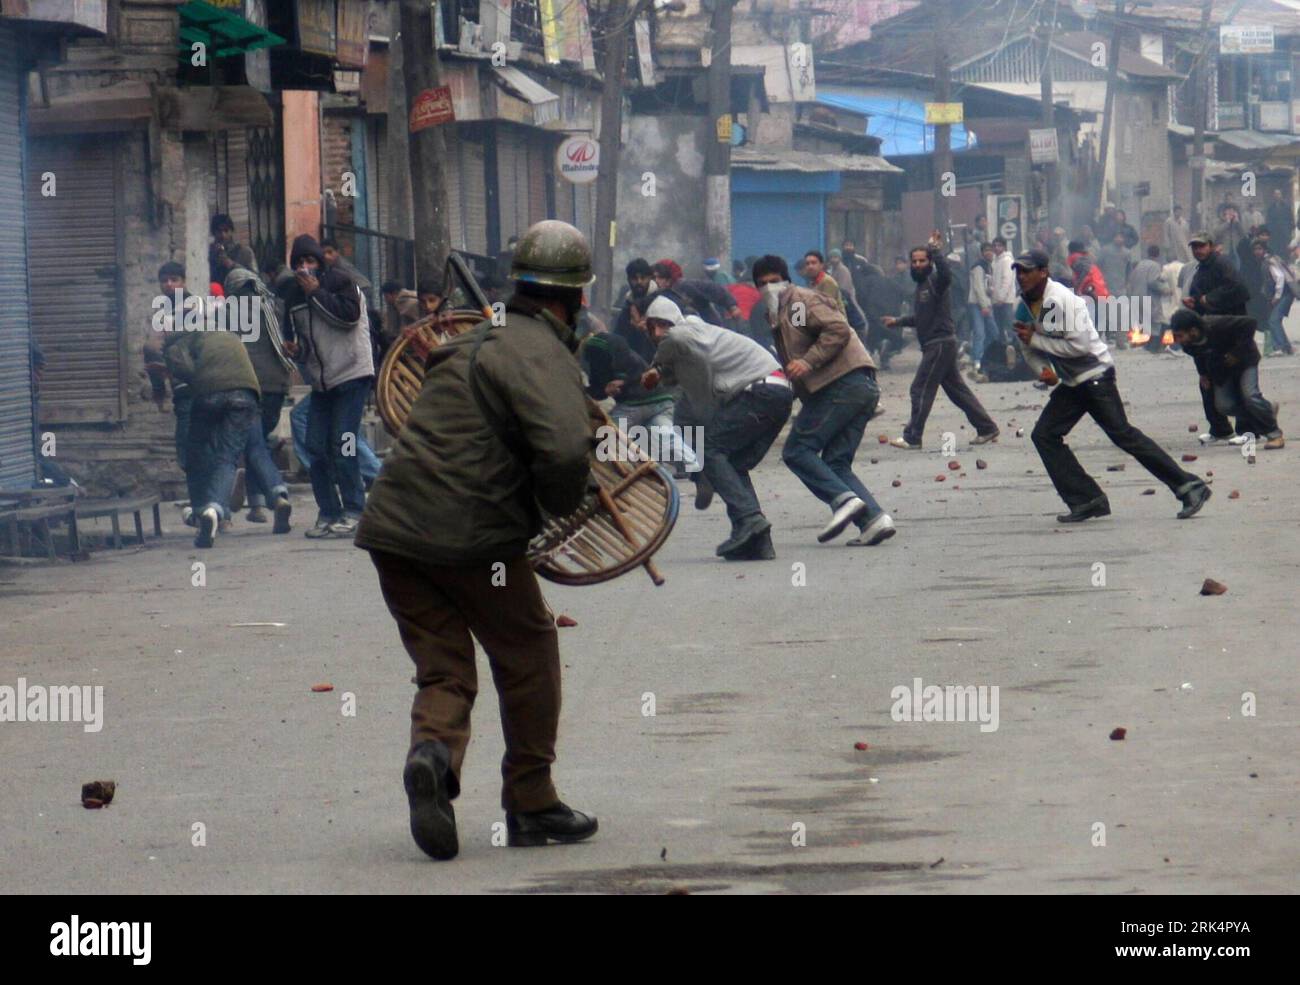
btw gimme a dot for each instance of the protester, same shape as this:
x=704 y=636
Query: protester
x=401 y=309
x=979 y=304
x=1002 y=289
x=224 y=253
x=835 y=381
x=711 y=301
x=328 y=326
x=1278 y=288
x=1227 y=359
x=1214 y=289
x=934 y=332
x=1060 y=342
x=739 y=395
x=639 y=279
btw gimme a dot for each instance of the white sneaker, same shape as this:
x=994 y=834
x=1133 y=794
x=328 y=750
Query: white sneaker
x=1238 y=439
x=878 y=530
x=844 y=514
x=904 y=443
x=1211 y=439
x=209 y=520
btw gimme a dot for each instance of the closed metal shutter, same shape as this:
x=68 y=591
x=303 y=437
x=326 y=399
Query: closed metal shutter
x=473 y=191
x=73 y=260
x=17 y=457
x=538 y=171
x=509 y=181
x=783 y=224
x=451 y=170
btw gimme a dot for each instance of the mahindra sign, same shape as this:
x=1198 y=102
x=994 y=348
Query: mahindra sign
x=578 y=160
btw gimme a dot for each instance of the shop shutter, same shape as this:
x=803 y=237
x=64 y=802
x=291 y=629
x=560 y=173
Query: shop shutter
x=17 y=457
x=451 y=169
x=473 y=195
x=73 y=262
x=510 y=183
x=538 y=171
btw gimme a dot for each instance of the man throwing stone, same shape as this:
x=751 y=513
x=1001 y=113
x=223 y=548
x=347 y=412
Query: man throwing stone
x=1059 y=341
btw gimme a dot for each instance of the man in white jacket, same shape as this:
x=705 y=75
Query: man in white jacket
x=1060 y=342
x=1002 y=287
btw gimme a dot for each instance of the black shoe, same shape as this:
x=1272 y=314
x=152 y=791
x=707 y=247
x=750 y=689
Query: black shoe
x=703 y=493
x=1086 y=511
x=559 y=823
x=747 y=531
x=757 y=549
x=1193 y=500
x=427 y=777
x=283 y=510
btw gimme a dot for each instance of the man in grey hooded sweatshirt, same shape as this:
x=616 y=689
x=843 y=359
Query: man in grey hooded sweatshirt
x=739 y=395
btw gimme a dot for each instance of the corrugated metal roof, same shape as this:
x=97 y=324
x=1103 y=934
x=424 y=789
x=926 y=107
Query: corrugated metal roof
x=1255 y=140
x=766 y=159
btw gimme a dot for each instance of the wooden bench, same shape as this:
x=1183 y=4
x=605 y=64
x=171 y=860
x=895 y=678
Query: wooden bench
x=91 y=508
x=36 y=509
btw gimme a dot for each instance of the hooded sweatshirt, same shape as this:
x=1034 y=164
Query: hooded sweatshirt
x=711 y=364
x=331 y=325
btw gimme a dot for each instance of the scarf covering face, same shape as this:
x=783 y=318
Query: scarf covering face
x=240 y=277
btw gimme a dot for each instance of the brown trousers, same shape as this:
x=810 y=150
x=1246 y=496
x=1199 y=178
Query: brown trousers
x=437 y=609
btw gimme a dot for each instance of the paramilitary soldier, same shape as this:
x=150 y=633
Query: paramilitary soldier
x=500 y=426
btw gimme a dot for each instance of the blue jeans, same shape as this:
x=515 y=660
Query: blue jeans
x=983 y=329
x=270 y=420
x=736 y=440
x=219 y=428
x=181 y=408
x=333 y=441
x=825 y=437
x=1002 y=319
x=1276 y=332
x=370 y=463
x=1240 y=396
x=657 y=419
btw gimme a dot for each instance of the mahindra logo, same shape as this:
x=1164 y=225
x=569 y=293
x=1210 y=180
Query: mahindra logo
x=581 y=153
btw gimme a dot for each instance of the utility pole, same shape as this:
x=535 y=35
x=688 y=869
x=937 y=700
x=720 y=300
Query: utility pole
x=1051 y=182
x=717 y=155
x=942 y=131
x=1112 y=79
x=1200 y=112
x=428 y=147
x=617 y=20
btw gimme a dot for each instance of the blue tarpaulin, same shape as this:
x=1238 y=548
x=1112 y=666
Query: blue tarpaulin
x=897 y=119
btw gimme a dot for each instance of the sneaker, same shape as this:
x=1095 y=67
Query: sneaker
x=347 y=527
x=187 y=517
x=880 y=529
x=322 y=528
x=1194 y=499
x=1238 y=439
x=1086 y=511
x=904 y=443
x=209 y=521
x=844 y=514
x=703 y=493
x=283 y=510
x=985 y=439
x=1011 y=357
x=1272 y=444
x=427 y=779
x=1214 y=439
x=256 y=514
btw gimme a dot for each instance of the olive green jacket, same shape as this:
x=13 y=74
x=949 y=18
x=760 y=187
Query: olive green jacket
x=458 y=489
x=209 y=362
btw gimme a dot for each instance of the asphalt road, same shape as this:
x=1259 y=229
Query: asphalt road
x=746 y=779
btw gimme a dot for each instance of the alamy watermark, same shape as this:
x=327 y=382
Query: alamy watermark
x=662 y=443
x=950 y=703
x=241 y=314
x=58 y=703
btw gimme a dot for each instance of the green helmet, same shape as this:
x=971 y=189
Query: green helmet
x=552 y=252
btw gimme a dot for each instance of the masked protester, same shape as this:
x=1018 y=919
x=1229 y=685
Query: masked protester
x=835 y=381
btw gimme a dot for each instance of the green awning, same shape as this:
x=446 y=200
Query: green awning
x=221 y=32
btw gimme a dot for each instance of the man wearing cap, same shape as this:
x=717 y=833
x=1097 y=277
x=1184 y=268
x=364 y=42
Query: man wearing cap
x=1059 y=341
x=500 y=433
x=739 y=395
x=714 y=272
x=1215 y=289
x=932 y=317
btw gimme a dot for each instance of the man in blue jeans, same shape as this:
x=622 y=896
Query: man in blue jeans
x=366 y=457
x=835 y=380
x=331 y=340
x=739 y=395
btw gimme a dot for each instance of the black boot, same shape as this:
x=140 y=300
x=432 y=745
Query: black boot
x=428 y=783
x=757 y=549
x=559 y=823
x=1193 y=499
x=1086 y=511
x=749 y=529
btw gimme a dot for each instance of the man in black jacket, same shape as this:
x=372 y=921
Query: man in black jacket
x=1223 y=348
x=932 y=318
x=1215 y=289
